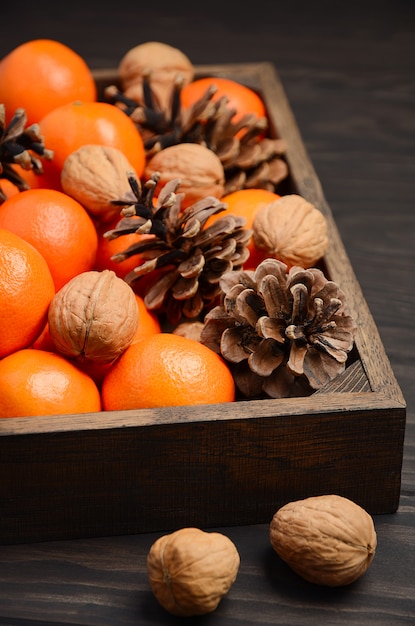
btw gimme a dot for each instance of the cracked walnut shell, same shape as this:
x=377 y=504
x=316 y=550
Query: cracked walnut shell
x=292 y=230
x=327 y=540
x=94 y=316
x=190 y=570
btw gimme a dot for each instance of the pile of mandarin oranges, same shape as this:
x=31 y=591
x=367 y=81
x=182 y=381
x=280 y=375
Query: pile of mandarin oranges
x=48 y=237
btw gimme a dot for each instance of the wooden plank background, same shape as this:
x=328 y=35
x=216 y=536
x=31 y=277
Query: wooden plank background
x=349 y=72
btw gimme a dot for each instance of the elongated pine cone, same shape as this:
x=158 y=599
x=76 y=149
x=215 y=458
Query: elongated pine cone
x=249 y=158
x=159 y=60
x=20 y=145
x=182 y=260
x=285 y=333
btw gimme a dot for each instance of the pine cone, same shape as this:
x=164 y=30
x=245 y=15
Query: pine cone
x=249 y=159
x=184 y=257
x=285 y=333
x=20 y=145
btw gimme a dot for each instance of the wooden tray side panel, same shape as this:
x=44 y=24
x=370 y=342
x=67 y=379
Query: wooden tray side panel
x=162 y=477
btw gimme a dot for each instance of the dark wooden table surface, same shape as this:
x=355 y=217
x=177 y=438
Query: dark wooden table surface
x=349 y=72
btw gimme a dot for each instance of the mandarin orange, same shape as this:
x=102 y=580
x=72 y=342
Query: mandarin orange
x=108 y=248
x=42 y=74
x=57 y=226
x=7 y=188
x=94 y=369
x=241 y=98
x=37 y=382
x=148 y=322
x=44 y=341
x=26 y=291
x=167 y=370
x=246 y=203
x=30 y=177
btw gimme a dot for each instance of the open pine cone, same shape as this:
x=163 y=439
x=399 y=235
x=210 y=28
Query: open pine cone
x=285 y=333
x=249 y=159
x=20 y=145
x=184 y=258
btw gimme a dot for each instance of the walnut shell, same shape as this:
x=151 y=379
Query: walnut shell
x=163 y=63
x=327 y=540
x=198 y=168
x=190 y=570
x=95 y=175
x=292 y=230
x=94 y=316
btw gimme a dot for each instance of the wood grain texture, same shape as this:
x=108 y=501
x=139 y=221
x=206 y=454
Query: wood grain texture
x=349 y=73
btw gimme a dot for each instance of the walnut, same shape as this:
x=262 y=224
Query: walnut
x=198 y=169
x=327 y=540
x=292 y=230
x=190 y=570
x=162 y=62
x=96 y=175
x=94 y=316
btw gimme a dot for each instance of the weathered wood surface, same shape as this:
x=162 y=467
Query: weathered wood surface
x=349 y=75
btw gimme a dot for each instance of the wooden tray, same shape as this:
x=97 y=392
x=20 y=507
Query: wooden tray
x=126 y=472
